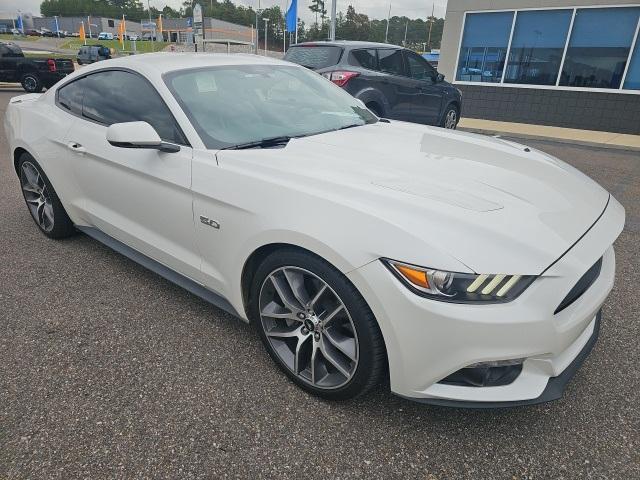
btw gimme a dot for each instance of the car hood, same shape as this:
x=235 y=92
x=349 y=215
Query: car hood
x=494 y=205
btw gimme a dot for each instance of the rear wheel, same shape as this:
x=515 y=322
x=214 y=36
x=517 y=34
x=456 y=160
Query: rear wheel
x=42 y=201
x=31 y=83
x=375 y=108
x=316 y=326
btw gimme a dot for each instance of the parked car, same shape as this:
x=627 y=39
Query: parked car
x=105 y=36
x=33 y=33
x=133 y=37
x=93 y=53
x=34 y=74
x=15 y=31
x=393 y=82
x=469 y=269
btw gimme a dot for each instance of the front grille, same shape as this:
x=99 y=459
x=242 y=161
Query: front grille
x=582 y=286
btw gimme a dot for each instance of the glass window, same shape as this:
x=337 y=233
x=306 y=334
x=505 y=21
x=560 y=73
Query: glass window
x=599 y=47
x=537 y=46
x=117 y=96
x=391 y=61
x=236 y=104
x=70 y=96
x=311 y=56
x=418 y=67
x=364 y=58
x=632 y=82
x=484 y=46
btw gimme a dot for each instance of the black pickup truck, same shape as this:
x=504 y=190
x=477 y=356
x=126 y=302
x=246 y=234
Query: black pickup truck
x=32 y=73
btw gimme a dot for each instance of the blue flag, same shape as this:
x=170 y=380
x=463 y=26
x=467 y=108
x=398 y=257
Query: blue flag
x=19 y=24
x=292 y=16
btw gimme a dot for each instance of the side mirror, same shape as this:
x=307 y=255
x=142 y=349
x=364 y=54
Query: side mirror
x=439 y=78
x=138 y=135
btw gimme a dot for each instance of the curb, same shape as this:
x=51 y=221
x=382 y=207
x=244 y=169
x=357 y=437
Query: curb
x=584 y=143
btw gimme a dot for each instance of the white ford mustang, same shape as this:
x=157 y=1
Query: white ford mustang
x=470 y=269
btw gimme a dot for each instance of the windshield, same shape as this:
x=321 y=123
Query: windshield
x=237 y=104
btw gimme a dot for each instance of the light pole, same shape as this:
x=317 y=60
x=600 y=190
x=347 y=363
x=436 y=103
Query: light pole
x=57 y=26
x=153 y=47
x=332 y=32
x=257 y=28
x=266 y=30
x=386 y=33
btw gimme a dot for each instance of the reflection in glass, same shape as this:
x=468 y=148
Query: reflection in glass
x=632 y=82
x=484 y=46
x=538 y=42
x=599 y=47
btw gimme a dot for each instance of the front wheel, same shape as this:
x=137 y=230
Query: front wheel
x=316 y=326
x=450 y=118
x=31 y=83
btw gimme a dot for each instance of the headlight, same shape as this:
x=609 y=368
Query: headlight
x=459 y=287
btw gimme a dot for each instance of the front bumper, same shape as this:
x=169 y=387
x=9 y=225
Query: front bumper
x=427 y=340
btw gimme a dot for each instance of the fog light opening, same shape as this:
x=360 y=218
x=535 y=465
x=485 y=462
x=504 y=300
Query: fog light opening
x=486 y=374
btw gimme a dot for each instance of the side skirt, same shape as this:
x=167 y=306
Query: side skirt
x=160 y=269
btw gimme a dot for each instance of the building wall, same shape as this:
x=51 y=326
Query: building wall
x=616 y=112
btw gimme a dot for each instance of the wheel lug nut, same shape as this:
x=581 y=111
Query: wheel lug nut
x=304 y=330
x=301 y=316
x=316 y=336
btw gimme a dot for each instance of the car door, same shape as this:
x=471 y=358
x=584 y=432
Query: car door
x=141 y=197
x=428 y=99
x=399 y=90
x=7 y=65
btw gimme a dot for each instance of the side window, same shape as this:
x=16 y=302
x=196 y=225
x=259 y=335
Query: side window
x=364 y=58
x=117 y=96
x=70 y=96
x=419 y=68
x=391 y=61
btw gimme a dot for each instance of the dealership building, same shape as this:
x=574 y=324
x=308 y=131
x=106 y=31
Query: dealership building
x=567 y=63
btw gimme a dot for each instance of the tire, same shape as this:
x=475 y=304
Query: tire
x=375 y=108
x=42 y=201
x=450 y=118
x=361 y=359
x=31 y=83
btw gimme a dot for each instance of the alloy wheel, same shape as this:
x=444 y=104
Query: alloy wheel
x=451 y=119
x=37 y=196
x=309 y=327
x=30 y=83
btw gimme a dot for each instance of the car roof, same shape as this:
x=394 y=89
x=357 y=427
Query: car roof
x=163 y=62
x=347 y=44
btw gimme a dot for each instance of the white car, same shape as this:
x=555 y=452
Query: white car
x=105 y=36
x=471 y=269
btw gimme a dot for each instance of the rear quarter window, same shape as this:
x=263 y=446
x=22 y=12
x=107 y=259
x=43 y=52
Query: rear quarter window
x=314 y=57
x=364 y=58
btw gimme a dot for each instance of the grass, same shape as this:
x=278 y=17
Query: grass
x=10 y=37
x=141 y=47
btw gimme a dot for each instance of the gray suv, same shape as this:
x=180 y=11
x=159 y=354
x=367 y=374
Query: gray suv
x=393 y=82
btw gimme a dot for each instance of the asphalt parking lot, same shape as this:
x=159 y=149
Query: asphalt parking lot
x=109 y=371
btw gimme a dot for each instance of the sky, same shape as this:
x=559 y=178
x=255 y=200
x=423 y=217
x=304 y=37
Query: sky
x=373 y=8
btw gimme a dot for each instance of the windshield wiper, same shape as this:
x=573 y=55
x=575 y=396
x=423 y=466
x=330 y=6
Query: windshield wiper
x=264 y=143
x=351 y=126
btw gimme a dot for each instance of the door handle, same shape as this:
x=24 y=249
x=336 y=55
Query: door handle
x=76 y=147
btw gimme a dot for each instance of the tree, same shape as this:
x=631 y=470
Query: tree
x=317 y=7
